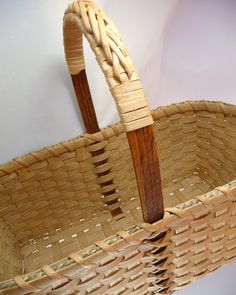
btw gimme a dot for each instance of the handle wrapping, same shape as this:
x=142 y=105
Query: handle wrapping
x=85 y=18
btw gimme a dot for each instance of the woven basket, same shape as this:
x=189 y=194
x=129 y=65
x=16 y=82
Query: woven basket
x=86 y=216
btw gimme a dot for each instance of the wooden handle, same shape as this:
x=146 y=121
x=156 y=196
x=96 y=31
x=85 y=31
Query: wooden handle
x=85 y=18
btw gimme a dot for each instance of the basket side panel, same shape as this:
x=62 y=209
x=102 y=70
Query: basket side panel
x=216 y=147
x=176 y=137
x=202 y=238
x=54 y=189
x=10 y=260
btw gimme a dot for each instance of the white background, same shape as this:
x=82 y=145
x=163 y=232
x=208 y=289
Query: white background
x=183 y=49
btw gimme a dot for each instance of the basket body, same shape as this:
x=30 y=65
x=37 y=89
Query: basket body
x=52 y=205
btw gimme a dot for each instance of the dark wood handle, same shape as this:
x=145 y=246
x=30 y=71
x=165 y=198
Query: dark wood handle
x=143 y=148
x=85 y=102
x=144 y=152
x=84 y=99
x=85 y=18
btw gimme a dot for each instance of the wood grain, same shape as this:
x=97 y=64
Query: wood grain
x=84 y=98
x=143 y=149
x=146 y=164
x=85 y=102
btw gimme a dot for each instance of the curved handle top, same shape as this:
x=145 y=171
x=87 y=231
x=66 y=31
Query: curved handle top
x=84 y=17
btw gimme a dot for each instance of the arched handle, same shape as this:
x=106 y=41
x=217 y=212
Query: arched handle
x=85 y=18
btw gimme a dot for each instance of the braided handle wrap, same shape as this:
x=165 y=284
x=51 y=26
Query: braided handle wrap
x=85 y=18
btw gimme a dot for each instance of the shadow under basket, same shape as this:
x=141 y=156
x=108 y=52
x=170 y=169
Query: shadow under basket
x=52 y=205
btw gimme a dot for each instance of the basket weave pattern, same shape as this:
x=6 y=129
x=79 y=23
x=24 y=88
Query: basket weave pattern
x=71 y=218
x=51 y=203
x=111 y=55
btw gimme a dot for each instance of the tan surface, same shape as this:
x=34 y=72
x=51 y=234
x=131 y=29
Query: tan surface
x=112 y=56
x=9 y=252
x=52 y=204
x=197 y=153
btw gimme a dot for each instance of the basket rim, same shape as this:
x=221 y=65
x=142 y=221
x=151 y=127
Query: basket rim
x=143 y=229
x=114 y=129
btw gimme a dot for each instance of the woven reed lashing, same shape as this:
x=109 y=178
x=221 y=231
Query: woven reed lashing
x=57 y=233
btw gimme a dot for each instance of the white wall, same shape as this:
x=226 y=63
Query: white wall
x=183 y=49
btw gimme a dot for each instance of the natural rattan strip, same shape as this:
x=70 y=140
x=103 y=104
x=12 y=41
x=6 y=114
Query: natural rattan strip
x=196 y=138
x=85 y=17
x=160 y=114
x=175 y=250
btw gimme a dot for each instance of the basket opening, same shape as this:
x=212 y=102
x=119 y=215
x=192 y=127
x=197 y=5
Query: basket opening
x=53 y=203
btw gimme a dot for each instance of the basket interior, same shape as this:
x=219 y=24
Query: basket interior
x=52 y=202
